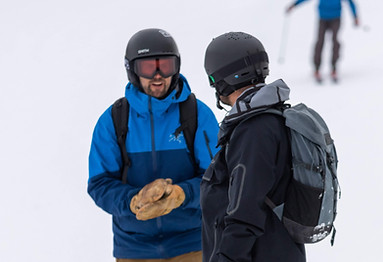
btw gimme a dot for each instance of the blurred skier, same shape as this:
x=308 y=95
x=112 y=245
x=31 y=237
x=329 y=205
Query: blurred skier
x=156 y=211
x=329 y=20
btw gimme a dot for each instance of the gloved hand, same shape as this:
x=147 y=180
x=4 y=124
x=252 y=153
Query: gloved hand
x=356 y=21
x=156 y=199
x=150 y=193
x=289 y=8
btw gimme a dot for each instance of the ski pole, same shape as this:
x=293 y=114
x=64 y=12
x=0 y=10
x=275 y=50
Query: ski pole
x=282 y=47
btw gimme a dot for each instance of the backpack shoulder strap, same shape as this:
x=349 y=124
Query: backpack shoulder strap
x=188 y=120
x=120 y=115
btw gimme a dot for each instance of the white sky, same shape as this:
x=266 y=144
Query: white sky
x=61 y=65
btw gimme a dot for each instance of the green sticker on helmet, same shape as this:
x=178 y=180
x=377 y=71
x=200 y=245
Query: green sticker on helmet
x=212 y=79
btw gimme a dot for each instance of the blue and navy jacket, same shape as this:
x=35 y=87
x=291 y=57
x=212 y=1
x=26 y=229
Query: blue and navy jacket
x=154 y=152
x=331 y=9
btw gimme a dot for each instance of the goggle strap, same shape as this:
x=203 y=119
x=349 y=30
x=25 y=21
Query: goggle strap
x=238 y=65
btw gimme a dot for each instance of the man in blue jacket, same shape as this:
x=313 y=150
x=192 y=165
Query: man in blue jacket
x=329 y=20
x=156 y=213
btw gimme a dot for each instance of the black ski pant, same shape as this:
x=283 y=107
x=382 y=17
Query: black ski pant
x=332 y=25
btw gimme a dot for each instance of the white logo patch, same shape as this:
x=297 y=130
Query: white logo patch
x=174 y=138
x=143 y=51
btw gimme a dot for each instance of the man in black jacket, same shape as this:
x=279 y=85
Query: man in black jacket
x=254 y=161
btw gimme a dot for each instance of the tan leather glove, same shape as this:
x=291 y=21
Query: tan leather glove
x=172 y=198
x=150 y=193
x=164 y=206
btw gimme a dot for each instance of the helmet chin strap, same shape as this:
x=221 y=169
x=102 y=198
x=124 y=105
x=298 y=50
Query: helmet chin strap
x=218 y=103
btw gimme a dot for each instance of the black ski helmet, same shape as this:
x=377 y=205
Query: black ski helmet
x=147 y=43
x=234 y=60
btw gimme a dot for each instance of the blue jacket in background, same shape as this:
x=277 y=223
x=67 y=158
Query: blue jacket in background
x=155 y=153
x=331 y=9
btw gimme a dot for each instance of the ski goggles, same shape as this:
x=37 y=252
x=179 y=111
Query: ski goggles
x=148 y=67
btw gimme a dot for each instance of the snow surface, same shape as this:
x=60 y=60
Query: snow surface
x=61 y=66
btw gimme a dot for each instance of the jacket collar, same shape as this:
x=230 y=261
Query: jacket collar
x=142 y=102
x=253 y=100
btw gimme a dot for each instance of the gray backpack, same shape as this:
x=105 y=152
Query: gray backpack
x=309 y=210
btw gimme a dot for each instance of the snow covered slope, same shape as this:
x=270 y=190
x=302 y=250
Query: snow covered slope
x=61 y=65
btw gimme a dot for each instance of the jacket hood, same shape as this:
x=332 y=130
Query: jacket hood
x=142 y=102
x=254 y=100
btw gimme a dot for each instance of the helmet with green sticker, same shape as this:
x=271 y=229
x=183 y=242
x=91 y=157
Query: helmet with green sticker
x=234 y=60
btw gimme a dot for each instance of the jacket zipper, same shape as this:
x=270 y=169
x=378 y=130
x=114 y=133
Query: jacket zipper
x=154 y=162
x=154 y=159
x=215 y=241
